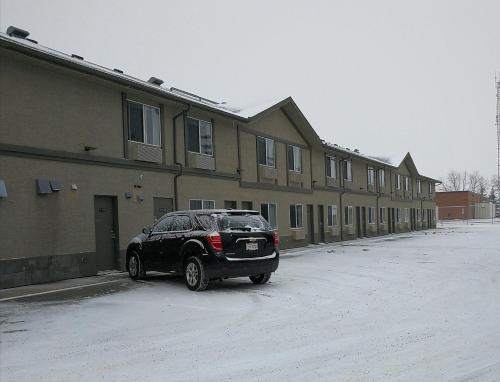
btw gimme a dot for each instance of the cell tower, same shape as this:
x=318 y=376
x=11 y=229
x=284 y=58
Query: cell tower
x=497 y=82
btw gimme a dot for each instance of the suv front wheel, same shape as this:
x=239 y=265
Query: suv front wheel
x=195 y=276
x=261 y=279
x=135 y=268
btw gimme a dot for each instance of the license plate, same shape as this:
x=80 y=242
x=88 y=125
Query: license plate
x=252 y=246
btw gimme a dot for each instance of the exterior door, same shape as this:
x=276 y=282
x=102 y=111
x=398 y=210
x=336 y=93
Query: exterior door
x=321 y=223
x=106 y=239
x=363 y=220
x=393 y=220
x=246 y=205
x=230 y=204
x=310 y=223
x=358 y=222
x=161 y=206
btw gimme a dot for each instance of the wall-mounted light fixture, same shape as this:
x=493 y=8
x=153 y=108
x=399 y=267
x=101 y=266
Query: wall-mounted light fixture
x=43 y=187
x=128 y=195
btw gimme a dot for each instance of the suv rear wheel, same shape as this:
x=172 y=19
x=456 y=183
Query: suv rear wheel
x=261 y=279
x=195 y=276
x=135 y=268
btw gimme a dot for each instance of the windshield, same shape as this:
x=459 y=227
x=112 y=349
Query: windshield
x=243 y=223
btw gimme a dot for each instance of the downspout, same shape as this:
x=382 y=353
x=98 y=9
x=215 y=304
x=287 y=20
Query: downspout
x=176 y=162
x=342 y=191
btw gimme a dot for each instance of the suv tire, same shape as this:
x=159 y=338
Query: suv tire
x=135 y=268
x=195 y=276
x=261 y=279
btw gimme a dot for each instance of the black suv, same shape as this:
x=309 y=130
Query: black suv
x=204 y=245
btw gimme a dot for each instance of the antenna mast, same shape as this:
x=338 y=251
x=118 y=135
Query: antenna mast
x=497 y=82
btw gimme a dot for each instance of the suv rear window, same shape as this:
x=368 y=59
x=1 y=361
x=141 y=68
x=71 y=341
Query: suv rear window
x=242 y=222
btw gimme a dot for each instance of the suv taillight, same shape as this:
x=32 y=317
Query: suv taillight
x=276 y=239
x=215 y=241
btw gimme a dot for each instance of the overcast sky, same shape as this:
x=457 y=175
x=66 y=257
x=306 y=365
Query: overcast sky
x=385 y=77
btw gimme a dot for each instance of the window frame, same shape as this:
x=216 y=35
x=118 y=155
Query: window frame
x=144 y=129
x=348 y=170
x=301 y=215
x=203 y=201
x=295 y=149
x=407 y=183
x=398 y=182
x=372 y=219
x=419 y=186
x=275 y=213
x=199 y=137
x=331 y=159
x=348 y=215
x=330 y=214
x=381 y=177
x=382 y=212
x=274 y=151
x=371 y=179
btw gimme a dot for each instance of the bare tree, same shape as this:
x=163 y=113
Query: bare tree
x=464 y=181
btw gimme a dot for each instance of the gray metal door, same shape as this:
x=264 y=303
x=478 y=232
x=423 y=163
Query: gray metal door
x=105 y=232
x=310 y=223
x=161 y=206
x=321 y=223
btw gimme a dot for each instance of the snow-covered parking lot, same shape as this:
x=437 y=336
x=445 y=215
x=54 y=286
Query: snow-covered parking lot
x=409 y=307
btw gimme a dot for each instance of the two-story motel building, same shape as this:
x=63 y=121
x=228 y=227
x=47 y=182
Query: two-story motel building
x=90 y=155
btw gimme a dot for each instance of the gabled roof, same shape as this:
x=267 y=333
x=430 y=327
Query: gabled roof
x=410 y=163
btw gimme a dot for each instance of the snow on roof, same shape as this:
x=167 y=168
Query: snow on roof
x=241 y=112
x=356 y=153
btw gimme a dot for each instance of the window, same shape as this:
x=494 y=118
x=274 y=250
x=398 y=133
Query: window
x=181 y=223
x=268 y=212
x=407 y=215
x=348 y=215
x=331 y=167
x=430 y=188
x=294 y=159
x=347 y=169
x=296 y=216
x=164 y=225
x=407 y=183
x=382 y=215
x=371 y=176
x=398 y=182
x=230 y=204
x=199 y=136
x=332 y=216
x=265 y=151
x=371 y=215
x=144 y=124
x=199 y=204
x=419 y=186
x=381 y=178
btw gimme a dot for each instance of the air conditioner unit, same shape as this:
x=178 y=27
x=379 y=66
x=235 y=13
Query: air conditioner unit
x=145 y=153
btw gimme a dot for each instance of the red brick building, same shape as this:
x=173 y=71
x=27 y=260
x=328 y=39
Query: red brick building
x=458 y=204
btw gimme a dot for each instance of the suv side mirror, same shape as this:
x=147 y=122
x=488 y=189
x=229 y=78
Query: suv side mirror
x=146 y=230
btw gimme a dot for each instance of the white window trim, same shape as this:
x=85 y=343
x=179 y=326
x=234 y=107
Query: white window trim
x=351 y=209
x=302 y=222
x=398 y=182
x=274 y=151
x=419 y=186
x=381 y=178
x=144 y=123
x=382 y=213
x=202 y=200
x=334 y=222
x=299 y=151
x=330 y=159
x=268 y=203
x=371 y=180
x=348 y=170
x=199 y=137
